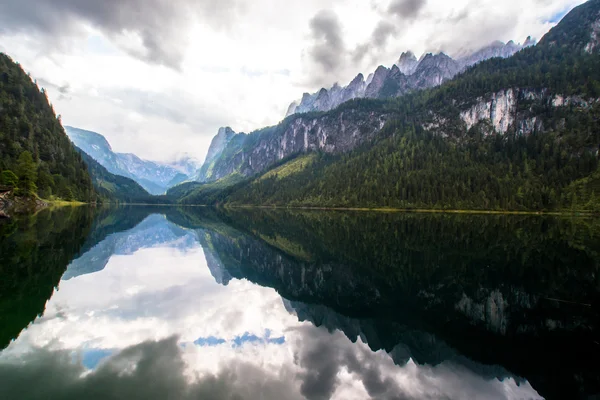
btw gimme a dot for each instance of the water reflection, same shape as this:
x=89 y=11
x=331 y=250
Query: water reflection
x=198 y=303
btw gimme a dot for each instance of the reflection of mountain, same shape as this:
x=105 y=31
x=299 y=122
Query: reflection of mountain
x=482 y=285
x=216 y=267
x=399 y=341
x=152 y=231
x=34 y=252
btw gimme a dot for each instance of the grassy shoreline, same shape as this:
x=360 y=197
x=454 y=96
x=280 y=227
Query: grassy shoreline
x=426 y=210
x=64 y=203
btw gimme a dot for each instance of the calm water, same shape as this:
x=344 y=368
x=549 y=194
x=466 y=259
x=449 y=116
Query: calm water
x=167 y=303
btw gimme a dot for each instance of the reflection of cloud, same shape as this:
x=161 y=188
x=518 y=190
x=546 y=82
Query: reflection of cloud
x=324 y=358
x=326 y=366
x=149 y=370
x=238 y=344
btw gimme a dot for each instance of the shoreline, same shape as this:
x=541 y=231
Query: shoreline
x=63 y=203
x=576 y=213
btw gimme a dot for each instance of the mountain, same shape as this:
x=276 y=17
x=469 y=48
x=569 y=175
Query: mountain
x=217 y=145
x=154 y=177
x=406 y=75
x=517 y=133
x=33 y=144
x=114 y=187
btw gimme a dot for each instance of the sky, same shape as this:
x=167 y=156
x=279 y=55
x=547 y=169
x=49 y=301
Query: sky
x=158 y=78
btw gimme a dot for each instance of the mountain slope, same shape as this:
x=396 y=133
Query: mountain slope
x=114 y=187
x=507 y=134
x=154 y=177
x=30 y=129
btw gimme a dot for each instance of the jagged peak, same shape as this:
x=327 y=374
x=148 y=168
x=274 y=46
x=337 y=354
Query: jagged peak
x=380 y=70
x=529 y=42
x=358 y=79
x=408 y=55
x=225 y=130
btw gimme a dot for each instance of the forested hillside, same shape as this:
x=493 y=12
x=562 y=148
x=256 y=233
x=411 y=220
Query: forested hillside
x=116 y=188
x=510 y=134
x=36 y=156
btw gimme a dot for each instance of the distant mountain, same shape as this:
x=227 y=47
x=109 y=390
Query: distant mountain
x=154 y=177
x=32 y=135
x=113 y=187
x=407 y=74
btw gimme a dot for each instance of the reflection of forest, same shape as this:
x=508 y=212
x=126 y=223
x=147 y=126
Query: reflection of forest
x=517 y=292
x=499 y=289
x=34 y=253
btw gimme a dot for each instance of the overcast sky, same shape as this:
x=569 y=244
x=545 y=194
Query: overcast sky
x=158 y=77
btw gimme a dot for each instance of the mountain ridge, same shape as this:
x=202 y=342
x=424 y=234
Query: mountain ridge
x=154 y=177
x=408 y=73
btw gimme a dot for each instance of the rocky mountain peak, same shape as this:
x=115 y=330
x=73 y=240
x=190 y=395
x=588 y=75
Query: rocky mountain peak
x=407 y=62
x=291 y=109
x=529 y=42
x=357 y=80
x=218 y=143
x=409 y=73
x=377 y=82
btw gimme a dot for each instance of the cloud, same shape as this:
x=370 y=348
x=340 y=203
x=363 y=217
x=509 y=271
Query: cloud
x=327 y=50
x=383 y=31
x=151 y=30
x=408 y=9
x=377 y=42
x=149 y=370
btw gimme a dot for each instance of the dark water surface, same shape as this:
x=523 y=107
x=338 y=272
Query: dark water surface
x=195 y=303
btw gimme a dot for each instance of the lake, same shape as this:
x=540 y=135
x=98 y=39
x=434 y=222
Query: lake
x=202 y=303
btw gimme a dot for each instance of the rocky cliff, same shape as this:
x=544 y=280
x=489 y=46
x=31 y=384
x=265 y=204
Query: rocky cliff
x=217 y=145
x=339 y=131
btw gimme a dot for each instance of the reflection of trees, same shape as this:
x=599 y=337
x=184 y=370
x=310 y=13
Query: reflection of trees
x=34 y=253
x=486 y=285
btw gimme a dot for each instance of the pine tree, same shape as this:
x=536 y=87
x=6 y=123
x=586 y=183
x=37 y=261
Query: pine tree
x=27 y=172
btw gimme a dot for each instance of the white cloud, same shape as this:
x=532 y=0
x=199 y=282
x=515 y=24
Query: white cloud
x=240 y=66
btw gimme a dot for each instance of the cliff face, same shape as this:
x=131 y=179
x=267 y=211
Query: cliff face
x=217 y=145
x=332 y=133
x=518 y=107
